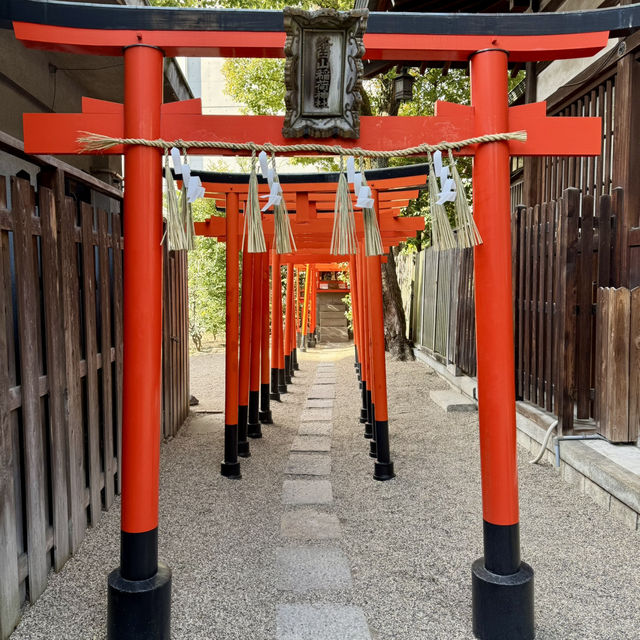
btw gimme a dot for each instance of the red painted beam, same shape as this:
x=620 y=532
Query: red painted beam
x=256 y=44
x=54 y=133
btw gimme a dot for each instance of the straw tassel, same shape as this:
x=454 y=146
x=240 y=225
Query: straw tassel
x=468 y=234
x=442 y=237
x=372 y=239
x=283 y=239
x=343 y=239
x=175 y=236
x=252 y=217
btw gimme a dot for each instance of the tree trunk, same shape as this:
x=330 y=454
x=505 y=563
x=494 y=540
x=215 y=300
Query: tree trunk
x=395 y=324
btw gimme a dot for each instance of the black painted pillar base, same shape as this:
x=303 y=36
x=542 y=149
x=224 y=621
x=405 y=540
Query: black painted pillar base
x=275 y=394
x=311 y=341
x=264 y=415
x=287 y=369
x=383 y=471
x=373 y=448
x=296 y=367
x=230 y=470
x=364 y=411
x=282 y=382
x=139 y=609
x=502 y=605
x=254 y=428
x=243 y=444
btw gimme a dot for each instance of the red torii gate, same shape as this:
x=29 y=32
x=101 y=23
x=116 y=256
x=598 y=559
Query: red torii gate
x=139 y=592
x=247 y=382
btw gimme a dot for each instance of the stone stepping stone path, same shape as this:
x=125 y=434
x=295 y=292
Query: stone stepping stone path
x=310 y=560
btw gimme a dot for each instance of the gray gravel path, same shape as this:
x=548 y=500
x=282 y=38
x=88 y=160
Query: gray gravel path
x=409 y=542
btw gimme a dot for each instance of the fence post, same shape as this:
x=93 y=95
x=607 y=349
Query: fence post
x=9 y=585
x=566 y=301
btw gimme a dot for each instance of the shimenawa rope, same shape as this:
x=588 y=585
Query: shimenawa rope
x=98 y=142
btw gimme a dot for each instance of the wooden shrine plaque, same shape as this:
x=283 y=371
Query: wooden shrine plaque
x=323 y=72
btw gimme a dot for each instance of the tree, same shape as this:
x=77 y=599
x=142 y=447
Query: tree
x=206 y=280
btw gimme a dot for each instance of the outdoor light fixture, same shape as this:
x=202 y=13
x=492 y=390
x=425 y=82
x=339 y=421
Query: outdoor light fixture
x=403 y=86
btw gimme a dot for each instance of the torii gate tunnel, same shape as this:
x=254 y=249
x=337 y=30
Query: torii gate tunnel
x=139 y=591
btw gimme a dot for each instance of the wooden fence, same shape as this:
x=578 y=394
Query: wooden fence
x=61 y=300
x=562 y=253
x=618 y=364
x=175 y=343
x=443 y=317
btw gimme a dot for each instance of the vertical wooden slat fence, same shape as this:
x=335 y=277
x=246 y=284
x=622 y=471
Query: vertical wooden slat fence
x=444 y=316
x=562 y=252
x=175 y=356
x=618 y=357
x=61 y=354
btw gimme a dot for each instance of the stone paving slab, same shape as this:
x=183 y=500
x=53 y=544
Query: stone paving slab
x=323 y=391
x=309 y=524
x=308 y=464
x=312 y=622
x=307 y=492
x=311 y=443
x=320 y=428
x=450 y=400
x=323 y=381
x=312 y=568
x=319 y=403
x=313 y=415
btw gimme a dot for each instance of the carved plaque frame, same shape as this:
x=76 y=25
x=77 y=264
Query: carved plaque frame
x=323 y=72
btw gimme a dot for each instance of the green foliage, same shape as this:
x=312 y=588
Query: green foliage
x=206 y=280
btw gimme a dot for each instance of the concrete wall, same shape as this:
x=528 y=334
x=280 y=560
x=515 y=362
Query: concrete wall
x=29 y=85
x=561 y=72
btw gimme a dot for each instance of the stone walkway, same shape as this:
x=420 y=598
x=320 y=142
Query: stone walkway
x=307 y=497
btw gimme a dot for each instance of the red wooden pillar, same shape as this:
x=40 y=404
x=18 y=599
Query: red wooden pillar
x=265 y=404
x=354 y=311
x=313 y=306
x=282 y=381
x=245 y=351
x=502 y=584
x=295 y=330
x=230 y=466
x=139 y=592
x=254 y=429
x=367 y=377
x=383 y=467
x=305 y=307
x=275 y=293
x=288 y=347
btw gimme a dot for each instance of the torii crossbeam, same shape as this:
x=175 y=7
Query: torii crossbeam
x=139 y=592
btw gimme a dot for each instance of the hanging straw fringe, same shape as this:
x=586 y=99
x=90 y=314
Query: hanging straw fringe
x=442 y=237
x=175 y=235
x=252 y=216
x=468 y=234
x=372 y=239
x=283 y=239
x=343 y=239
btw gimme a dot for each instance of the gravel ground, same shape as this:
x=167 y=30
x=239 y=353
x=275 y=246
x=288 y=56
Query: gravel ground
x=410 y=542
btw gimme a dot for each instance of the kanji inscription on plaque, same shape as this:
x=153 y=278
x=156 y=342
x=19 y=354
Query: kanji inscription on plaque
x=323 y=72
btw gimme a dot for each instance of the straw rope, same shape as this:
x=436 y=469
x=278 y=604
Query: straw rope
x=98 y=142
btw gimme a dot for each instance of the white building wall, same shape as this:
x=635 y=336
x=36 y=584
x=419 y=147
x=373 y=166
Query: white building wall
x=561 y=72
x=207 y=81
